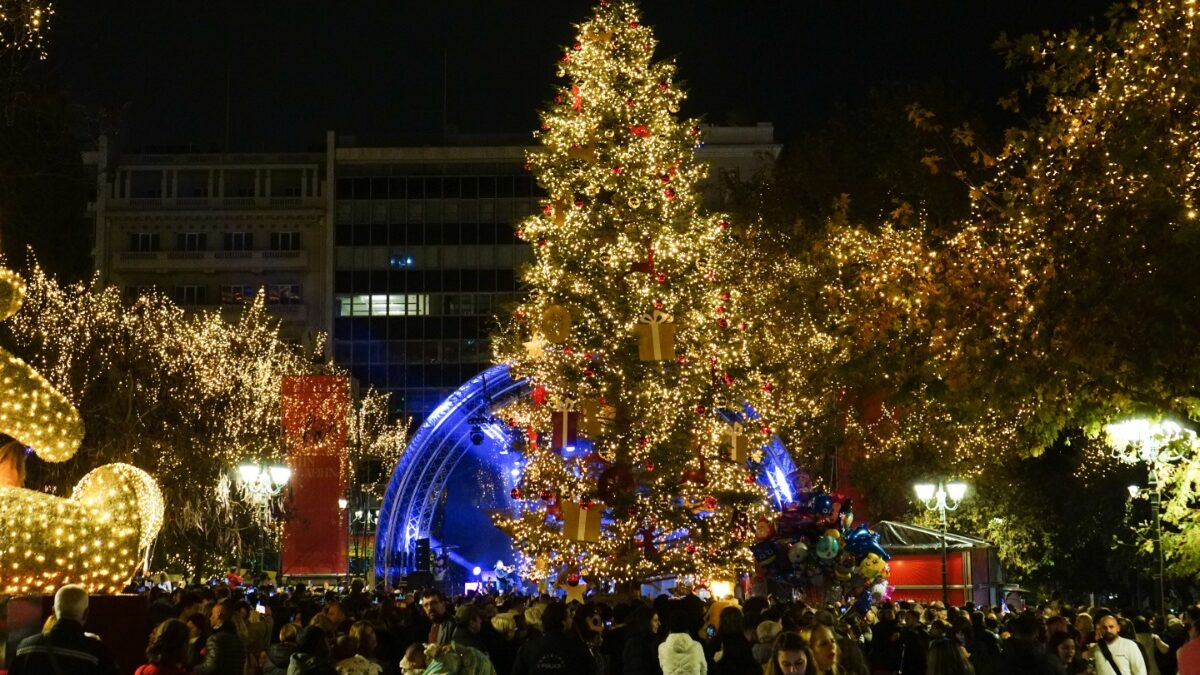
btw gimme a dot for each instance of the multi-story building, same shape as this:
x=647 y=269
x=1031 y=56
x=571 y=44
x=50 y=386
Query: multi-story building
x=402 y=256
x=425 y=255
x=213 y=230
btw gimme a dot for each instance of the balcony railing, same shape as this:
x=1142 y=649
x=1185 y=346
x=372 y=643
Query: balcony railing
x=210 y=260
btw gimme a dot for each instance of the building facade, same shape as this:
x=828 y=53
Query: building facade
x=213 y=230
x=426 y=257
x=402 y=257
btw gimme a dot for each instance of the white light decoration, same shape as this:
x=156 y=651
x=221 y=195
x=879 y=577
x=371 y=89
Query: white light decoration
x=94 y=538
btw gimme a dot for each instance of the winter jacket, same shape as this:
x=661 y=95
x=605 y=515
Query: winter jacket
x=735 y=658
x=224 y=653
x=66 y=644
x=307 y=664
x=681 y=655
x=278 y=656
x=555 y=653
x=640 y=656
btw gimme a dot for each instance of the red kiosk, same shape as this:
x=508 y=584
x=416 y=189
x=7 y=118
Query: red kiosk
x=973 y=569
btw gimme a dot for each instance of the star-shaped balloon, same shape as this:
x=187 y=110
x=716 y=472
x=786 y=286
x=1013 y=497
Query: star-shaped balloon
x=575 y=593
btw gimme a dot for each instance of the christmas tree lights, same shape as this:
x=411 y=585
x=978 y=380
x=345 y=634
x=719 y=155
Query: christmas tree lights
x=634 y=334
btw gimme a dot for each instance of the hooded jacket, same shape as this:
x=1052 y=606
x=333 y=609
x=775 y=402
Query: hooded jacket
x=681 y=655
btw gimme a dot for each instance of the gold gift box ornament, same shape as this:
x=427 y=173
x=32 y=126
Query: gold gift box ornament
x=656 y=336
x=96 y=536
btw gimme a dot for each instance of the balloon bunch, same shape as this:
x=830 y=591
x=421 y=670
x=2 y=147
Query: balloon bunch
x=813 y=544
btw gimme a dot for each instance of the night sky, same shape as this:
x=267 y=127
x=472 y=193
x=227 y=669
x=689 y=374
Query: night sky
x=373 y=69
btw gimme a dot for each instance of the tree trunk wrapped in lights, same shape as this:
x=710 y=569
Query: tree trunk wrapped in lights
x=634 y=318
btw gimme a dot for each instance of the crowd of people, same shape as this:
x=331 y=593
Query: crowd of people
x=298 y=631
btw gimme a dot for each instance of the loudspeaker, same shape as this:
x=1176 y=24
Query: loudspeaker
x=424 y=561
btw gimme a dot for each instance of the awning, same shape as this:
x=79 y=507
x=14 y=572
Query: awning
x=905 y=538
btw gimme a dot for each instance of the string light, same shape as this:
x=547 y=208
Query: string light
x=185 y=396
x=95 y=537
x=622 y=243
x=24 y=24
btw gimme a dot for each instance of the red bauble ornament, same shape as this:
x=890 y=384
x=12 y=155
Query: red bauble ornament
x=516 y=493
x=539 y=395
x=634 y=25
x=566 y=58
x=579 y=203
x=723 y=322
x=749 y=479
x=577 y=46
x=629 y=102
x=639 y=130
x=617 y=170
x=663 y=86
x=691 y=549
x=712 y=551
x=658 y=304
x=649 y=465
x=728 y=379
x=710 y=503
x=723 y=225
x=541 y=242
x=660 y=278
x=573 y=579
x=681 y=359
x=767 y=387
x=694 y=130
x=720 y=309
x=699 y=409
x=669 y=193
x=725 y=295
x=588 y=372
x=765 y=429
x=665 y=179
x=547 y=209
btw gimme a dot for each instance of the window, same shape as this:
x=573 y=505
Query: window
x=193 y=241
x=135 y=292
x=234 y=295
x=285 y=241
x=189 y=295
x=383 y=305
x=144 y=242
x=239 y=241
x=283 y=294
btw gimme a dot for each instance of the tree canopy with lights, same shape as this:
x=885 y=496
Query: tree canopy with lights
x=639 y=453
x=186 y=397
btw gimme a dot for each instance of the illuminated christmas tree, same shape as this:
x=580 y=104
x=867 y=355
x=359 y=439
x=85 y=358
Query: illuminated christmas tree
x=639 y=453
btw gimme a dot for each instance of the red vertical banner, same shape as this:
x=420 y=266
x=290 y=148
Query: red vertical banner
x=314 y=410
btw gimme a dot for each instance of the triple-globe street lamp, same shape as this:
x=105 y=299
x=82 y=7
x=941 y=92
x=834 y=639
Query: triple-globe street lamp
x=262 y=483
x=942 y=497
x=1157 y=444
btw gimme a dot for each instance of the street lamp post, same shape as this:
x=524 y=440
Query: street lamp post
x=1157 y=444
x=263 y=483
x=344 y=507
x=942 y=497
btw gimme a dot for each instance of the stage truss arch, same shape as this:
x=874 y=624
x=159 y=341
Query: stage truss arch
x=442 y=441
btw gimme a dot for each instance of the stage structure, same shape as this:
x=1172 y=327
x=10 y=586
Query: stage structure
x=467 y=419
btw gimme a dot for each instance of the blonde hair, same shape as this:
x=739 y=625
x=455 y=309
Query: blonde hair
x=505 y=624
x=767 y=631
x=533 y=614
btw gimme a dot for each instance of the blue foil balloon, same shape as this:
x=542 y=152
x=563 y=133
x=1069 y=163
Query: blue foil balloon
x=862 y=541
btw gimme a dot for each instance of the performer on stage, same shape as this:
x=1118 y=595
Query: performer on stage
x=504 y=577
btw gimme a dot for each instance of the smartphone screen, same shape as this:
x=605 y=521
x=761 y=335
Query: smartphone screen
x=260 y=608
